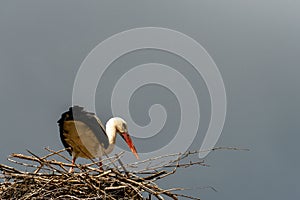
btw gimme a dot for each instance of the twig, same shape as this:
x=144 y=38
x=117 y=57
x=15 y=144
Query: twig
x=48 y=178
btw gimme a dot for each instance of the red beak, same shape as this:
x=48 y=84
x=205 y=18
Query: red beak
x=130 y=144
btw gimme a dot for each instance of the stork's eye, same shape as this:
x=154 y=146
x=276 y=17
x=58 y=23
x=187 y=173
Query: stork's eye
x=124 y=127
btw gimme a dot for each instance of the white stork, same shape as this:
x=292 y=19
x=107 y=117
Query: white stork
x=83 y=134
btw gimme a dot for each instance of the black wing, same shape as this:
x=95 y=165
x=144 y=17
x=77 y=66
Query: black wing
x=76 y=113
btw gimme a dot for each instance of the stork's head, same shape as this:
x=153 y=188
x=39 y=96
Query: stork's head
x=121 y=125
x=121 y=128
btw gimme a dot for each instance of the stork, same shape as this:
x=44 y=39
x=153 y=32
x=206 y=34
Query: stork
x=83 y=134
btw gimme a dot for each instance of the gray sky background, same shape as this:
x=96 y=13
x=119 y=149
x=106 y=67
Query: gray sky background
x=255 y=44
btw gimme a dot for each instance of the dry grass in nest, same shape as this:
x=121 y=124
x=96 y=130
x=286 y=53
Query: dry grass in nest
x=48 y=178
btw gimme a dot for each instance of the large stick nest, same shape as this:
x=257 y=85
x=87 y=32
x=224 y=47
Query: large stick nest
x=48 y=178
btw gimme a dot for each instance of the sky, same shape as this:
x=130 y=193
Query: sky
x=254 y=44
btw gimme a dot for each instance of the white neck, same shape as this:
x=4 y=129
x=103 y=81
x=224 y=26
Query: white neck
x=111 y=131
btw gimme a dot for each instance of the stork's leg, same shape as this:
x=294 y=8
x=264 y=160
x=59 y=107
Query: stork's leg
x=100 y=164
x=71 y=170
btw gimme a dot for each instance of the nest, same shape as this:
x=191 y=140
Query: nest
x=47 y=177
